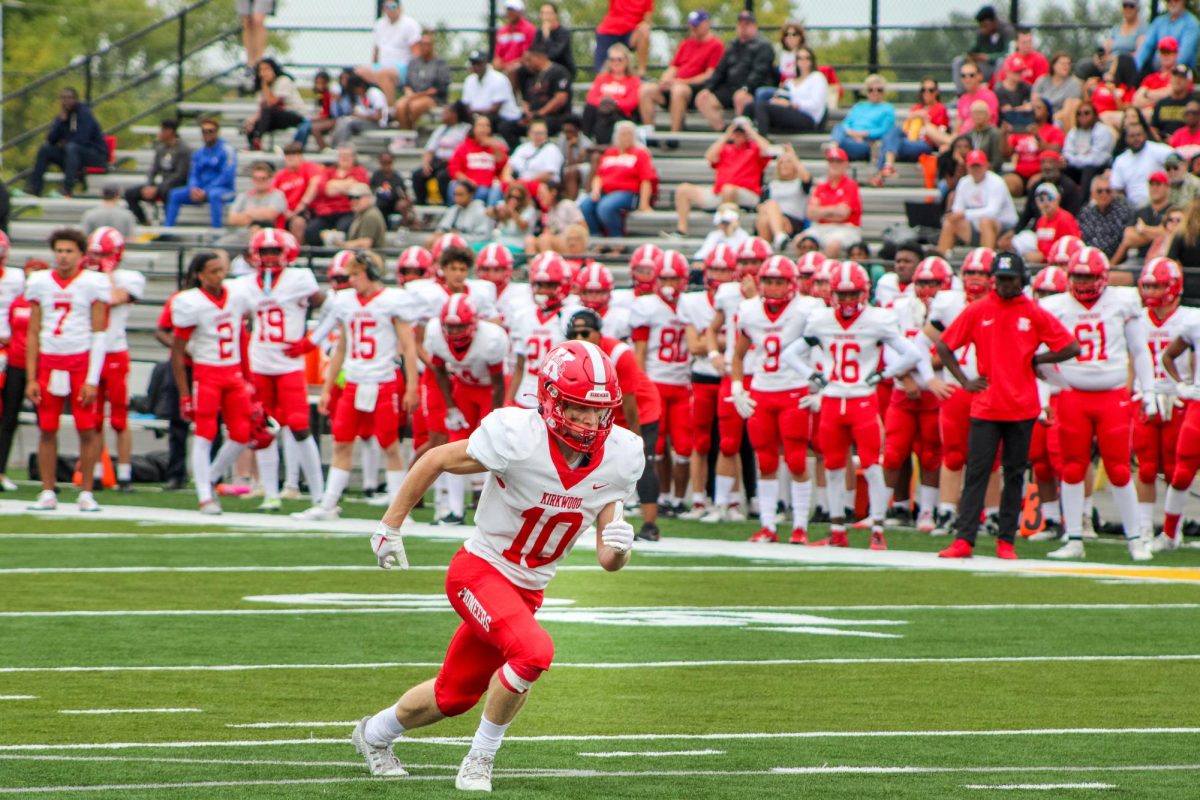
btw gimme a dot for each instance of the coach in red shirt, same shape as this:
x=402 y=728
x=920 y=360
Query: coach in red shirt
x=1006 y=328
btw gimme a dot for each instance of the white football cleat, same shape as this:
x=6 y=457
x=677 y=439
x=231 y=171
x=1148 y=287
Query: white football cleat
x=380 y=760
x=925 y=523
x=317 y=514
x=1072 y=549
x=1044 y=535
x=696 y=512
x=380 y=500
x=290 y=493
x=735 y=514
x=47 y=501
x=475 y=774
x=211 y=507
x=7 y=485
x=87 y=502
x=714 y=515
x=270 y=504
x=1165 y=544
x=1138 y=550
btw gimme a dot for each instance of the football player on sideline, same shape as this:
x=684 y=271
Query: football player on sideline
x=552 y=472
x=1187 y=451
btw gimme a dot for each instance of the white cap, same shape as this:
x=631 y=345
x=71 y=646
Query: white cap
x=515 y=5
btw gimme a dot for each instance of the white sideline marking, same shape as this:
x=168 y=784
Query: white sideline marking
x=130 y=710
x=219 y=761
x=652 y=753
x=18 y=697
x=1037 y=787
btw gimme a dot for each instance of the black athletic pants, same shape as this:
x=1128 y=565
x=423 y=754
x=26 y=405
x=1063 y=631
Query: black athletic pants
x=984 y=438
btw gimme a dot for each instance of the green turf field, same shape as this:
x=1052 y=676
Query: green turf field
x=231 y=662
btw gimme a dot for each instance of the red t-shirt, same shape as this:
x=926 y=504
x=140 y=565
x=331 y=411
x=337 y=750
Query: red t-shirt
x=624 y=15
x=632 y=379
x=1030 y=66
x=513 y=40
x=1050 y=229
x=624 y=172
x=18 y=322
x=1006 y=334
x=327 y=205
x=1106 y=99
x=693 y=56
x=846 y=191
x=622 y=91
x=1185 y=138
x=936 y=115
x=481 y=164
x=1155 y=80
x=293 y=184
x=741 y=166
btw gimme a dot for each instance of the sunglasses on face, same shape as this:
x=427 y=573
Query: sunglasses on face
x=929 y=88
x=579 y=333
x=1174 y=220
x=874 y=89
x=787 y=34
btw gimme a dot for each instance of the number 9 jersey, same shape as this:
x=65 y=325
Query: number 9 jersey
x=534 y=505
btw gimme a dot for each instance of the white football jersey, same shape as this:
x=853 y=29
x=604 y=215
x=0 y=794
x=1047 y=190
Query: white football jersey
x=12 y=286
x=1103 y=360
x=484 y=357
x=622 y=298
x=614 y=322
x=943 y=310
x=1192 y=336
x=1160 y=334
x=911 y=313
x=771 y=334
x=434 y=296
x=279 y=314
x=728 y=300
x=850 y=353
x=887 y=289
x=216 y=339
x=514 y=301
x=535 y=335
x=67 y=308
x=369 y=327
x=697 y=310
x=534 y=506
x=668 y=357
x=133 y=282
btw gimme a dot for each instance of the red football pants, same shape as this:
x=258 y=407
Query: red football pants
x=676 y=420
x=849 y=421
x=779 y=419
x=1105 y=417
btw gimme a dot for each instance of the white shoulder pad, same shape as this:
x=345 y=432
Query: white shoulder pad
x=505 y=436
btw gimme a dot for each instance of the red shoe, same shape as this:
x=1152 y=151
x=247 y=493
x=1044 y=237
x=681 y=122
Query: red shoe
x=838 y=539
x=959 y=548
x=1005 y=550
x=765 y=535
x=799 y=536
x=877 y=541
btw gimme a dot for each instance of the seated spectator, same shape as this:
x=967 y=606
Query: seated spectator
x=392 y=40
x=536 y=161
x=747 y=64
x=1168 y=114
x=1024 y=60
x=868 y=121
x=982 y=210
x=326 y=201
x=370 y=110
x=1176 y=24
x=974 y=91
x=260 y=206
x=1126 y=37
x=727 y=230
x=388 y=187
x=488 y=92
x=576 y=149
x=329 y=103
x=627 y=22
x=426 y=84
x=926 y=128
x=806 y=244
x=952 y=166
x=109 y=214
x=1088 y=146
x=480 y=159
x=1051 y=172
x=784 y=213
x=1053 y=223
x=168 y=169
x=1061 y=89
x=624 y=180
x=1186 y=140
x=1102 y=222
x=575 y=246
x=835 y=207
x=1157 y=85
x=800 y=102
x=555 y=37
x=467 y=216
x=210 y=176
x=559 y=213
x=1132 y=169
x=515 y=217
x=1148 y=219
x=545 y=88
x=1185 y=187
x=613 y=96
x=439 y=149
x=1171 y=229
x=991 y=44
x=694 y=62
x=1015 y=97
x=985 y=136
x=368 y=229
x=293 y=181
x=279 y=103
x=1026 y=147
x=513 y=38
x=75 y=142
x=739 y=158
x=1113 y=91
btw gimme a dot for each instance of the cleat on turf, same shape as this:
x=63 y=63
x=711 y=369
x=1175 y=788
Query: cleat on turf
x=291 y=493
x=475 y=774
x=735 y=514
x=317 y=514
x=1138 y=550
x=380 y=760
x=1072 y=549
x=697 y=511
x=765 y=535
x=877 y=541
x=799 y=536
x=270 y=504
x=210 y=507
x=925 y=523
x=959 y=548
x=1164 y=544
x=1005 y=550
x=87 y=502
x=648 y=533
x=47 y=501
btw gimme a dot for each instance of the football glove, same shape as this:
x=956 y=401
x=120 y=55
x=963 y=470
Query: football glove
x=299 y=348
x=811 y=401
x=817 y=383
x=742 y=401
x=187 y=408
x=875 y=378
x=618 y=534
x=389 y=547
x=1148 y=401
x=1167 y=404
x=1187 y=391
x=455 y=421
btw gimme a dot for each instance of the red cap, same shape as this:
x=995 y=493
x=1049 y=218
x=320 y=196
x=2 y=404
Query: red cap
x=1159 y=177
x=1053 y=155
x=836 y=154
x=1169 y=43
x=976 y=157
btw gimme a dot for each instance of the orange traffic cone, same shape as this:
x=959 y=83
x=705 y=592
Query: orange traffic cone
x=108 y=476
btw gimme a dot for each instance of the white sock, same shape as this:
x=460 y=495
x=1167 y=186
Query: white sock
x=383 y=728
x=124 y=472
x=226 y=456
x=308 y=458
x=768 y=498
x=370 y=463
x=801 y=503
x=268 y=470
x=723 y=491
x=927 y=498
x=339 y=479
x=947 y=508
x=201 y=453
x=672 y=500
x=989 y=510
x=1127 y=507
x=877 y=491
x=455 y=502
x=1072 y=507
x=291 y=458
x=1174 y=501
x=1050 y=511
x=849 y=500
x=698 y=498
x=1087 y=507
x=488 y=737
x=395 y=477
x=97 y=470
x=1145 y=516
x=441 y=492
x=835 y=483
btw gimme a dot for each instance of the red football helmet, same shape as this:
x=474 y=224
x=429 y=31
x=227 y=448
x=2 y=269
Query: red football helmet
x=977 y=272
x=1161 y=282
x=5 y=246
x=263 y=429
x=414 y=264
x=777 y=282
x=272 y=249
x=670 y=278
x=495 y=265
x=594 y=285
x=807 y=266
x=1087 y=274
x=931 y=276
x=1051 y=280
x=719 y=266
x=444 y=241
x=1062 y=250
x=753 y=252
x=820 y=281
x=339 y=266
x=643 y=264
x=849 y=283
x=105 y=248
x=459 y=322
x=550 y=279
x=581 y=374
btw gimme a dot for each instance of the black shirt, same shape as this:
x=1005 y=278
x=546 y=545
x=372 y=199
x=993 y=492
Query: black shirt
x=540 y=89
x=1168 y=115
x=1149 y=216
x=558 y=47
x=744 y=64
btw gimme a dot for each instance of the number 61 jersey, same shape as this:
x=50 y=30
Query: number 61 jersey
x=534 y=506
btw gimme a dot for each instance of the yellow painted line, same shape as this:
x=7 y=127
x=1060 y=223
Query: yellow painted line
x=1184 y=574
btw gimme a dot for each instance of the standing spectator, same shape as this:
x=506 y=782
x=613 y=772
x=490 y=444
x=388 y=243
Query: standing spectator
x=991 y=43
x=695 y=59
x=466 y=216
x=1149 y=220
x=1186 y=140
x=210 y=177
x=555 y=37
x=293 y=181
x=545 y=89
x=1088 y=146
x=926 y=128
x=439 y=149
x=488 y=92
x=260 y=206
x=326 y=196
x=627 y=22
x=168 y=169
x=1025 y=60
x=388 y=187
x=785 y=211
x=1185 y=187
x=1061 y=89
x=12 y=394
x=739 y=158
x=426 y=84
x=536 y=161
x=368 y=229
x=392 y=40
x=1169 y=112
x=974 y=91
x=868 y=121
x=613 y=96
x=1157 y=84
x=279 y=103
x=1126 y=37
x=1131 y=170
x=109 y=214
x=624 y=180
x=575 y=147
x=254 y=15
x=370 y=110
x=1102 y=222
x=835 y=207
x=480 y=159
x=75 y=141
x=1177 y=24
x=982 y=210
x=1053 y=223
x=747 y=64
x=513 y=38
x=800 y=102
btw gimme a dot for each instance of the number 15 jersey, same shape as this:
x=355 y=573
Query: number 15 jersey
x=371 y=341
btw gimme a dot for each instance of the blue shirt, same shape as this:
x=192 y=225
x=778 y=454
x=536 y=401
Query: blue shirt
x=213 y=168
x=1186 y=31
x=875 y=119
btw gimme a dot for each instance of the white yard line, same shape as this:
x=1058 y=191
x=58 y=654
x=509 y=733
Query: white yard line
x=372 y=568
x=652 y=753
x=130 y=710
x=250 y=762
x=18 y=697
x=1037 y=787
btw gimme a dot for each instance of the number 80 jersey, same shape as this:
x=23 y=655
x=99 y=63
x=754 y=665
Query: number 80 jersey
x=534 y=506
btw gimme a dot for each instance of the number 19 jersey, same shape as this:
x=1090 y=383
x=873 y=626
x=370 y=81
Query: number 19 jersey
x=279 y=313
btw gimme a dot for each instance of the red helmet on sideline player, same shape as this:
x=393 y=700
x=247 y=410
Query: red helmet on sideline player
x=594 y=285
x=414 y=264
x=105 y=249
x=459 y=322
x=849 y=283
x=272 y=249
x=806 y=268
x=671 y=277
x=642 y=265
x=1051 y=280
x=777 y=282
x=977 y=272
x=1062 y=250
x=931 y=276
x=263 y=429
x=494 y=264
x=1161 y=282
x=753 y=252
x=579 y=373
x=719 y=266
x=339 y=267
x=444 y=241
x=1087 y=274
x=548 y=276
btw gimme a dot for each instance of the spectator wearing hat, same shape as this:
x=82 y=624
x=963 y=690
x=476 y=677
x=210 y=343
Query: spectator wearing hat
x=211 y=176
x=1050 y=171
x=747 y=64
x=726 y=230
x=627 y=22
x=974 y=91
x=991 y=43
x=513 y=38
x=613 y=96
x=1176 y=25
x=1186 y=140
x=168 y=169
x=1157 y=85
x=1126 y=37
x=1148 y=220
x=488 y=92
x=982 y=209
x=835 y=206
x=739 y=157
x=1185 y=187
x=545 y=89
x=1088 y=146
x=1026 y=61
x=392 y=41
x=695 y=59
x=1169 y=111
x=867 y=121
x=1102 y=221
x=368 y=229
x=109 y=214
x=555 y=37
x=1053 y=223
x=1132 y=169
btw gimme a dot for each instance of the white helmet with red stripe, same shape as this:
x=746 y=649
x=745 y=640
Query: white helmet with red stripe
x=339 y=266
x=495 y=265
x=643 y=264
x=459 y=321
x=594 y=284
x=1161 y=282
x=444 y=241
x=719 y=266
x=849 y=284
x=752 y=253
x=550 y=278
x=670 y=278
x=1087 y=274
x=105 y=248
x=581 y=374
x=807 y=266
x=777 y=282
x=1062 y=250
x=413 y=264
x=272 y=249
x=932 y=275
x=1050 y=280
x=820 y=280
x=977 y=272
